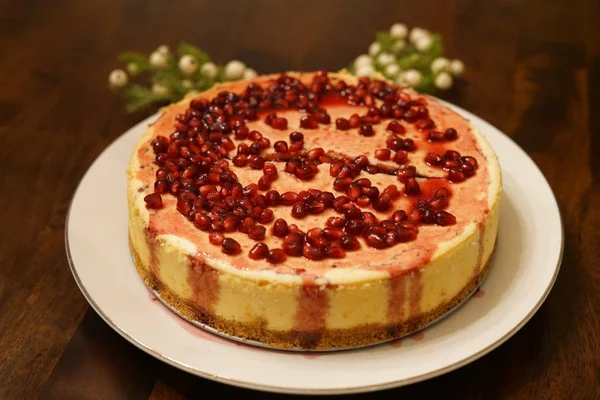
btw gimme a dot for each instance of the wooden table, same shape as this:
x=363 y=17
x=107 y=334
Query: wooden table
x=533 y=70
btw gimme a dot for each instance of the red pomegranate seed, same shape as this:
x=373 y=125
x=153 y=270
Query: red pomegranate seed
x=288 y=198
x=270 y=170
x=383 y=154
x=395 y=127
x=280 y=146
x=366 y=130
x=153 y=200
x=435 y=136
x=312 y=252
x=455 y=175
x=315 y=153
x=406 y=233
x=451 y=164
x=264 y=183
x=399 y=216
x=469 y=160
x=299 y=210
x=361 y=161
x=349 y=243
x=296 y=137
x=276 y=256
x=353 y=191
x=342 y=124
x=259 y=251
x=280 y=123
x=315 y=207
x=265 y=216
x=466 y=169
x=230 y=223
x=335 y=252
x=256 y=162
x=308 y=122
x=425 y=124
x=293 y=249
x=451 y=155
x=335 y=167
x=297 y=146
x=255 y=148
x=354 y=121
x=439 y=201
x=202 y=221
x=332 y=234
x=161 y=186
x=376 y=240
x=257 y=233
x=255 y=135
x=444 y=218
x=231 y=246
x=450 y=134
x=433 y=159
x=411 y=187
x=341 y=184
x=249 y=191
x=335 y=222
x=405 y=172
x=162 y=173
x=242 y=148
x=354 y=227
x=280 y=228
x=273 y=197
x=216 y=238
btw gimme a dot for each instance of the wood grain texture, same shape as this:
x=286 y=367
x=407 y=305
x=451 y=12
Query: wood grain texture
x=533 y=70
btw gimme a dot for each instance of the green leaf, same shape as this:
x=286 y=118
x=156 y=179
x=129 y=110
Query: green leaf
x=386 y=41
x=139 y=60
x=138 y=97
x=188 y=49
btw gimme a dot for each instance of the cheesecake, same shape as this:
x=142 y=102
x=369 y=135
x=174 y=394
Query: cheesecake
x=312 y=210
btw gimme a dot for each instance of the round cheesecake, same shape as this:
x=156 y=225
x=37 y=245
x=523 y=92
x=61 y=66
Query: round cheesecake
x=312 y=210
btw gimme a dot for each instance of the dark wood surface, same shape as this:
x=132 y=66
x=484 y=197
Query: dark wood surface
x=533 y=70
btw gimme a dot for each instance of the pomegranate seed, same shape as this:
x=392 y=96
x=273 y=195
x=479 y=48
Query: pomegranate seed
x=296 y=137
x=399 y=216
x=451 y=155
x=280 y=146
x=444 y=218
x=265 y=216
x=341 y=184
x=366 y=130
x=295 y=147
x=279 y=123
x=433 y=159
x=469 y=160
x=455 y=175
x=273 y=197
x=255 y=148
x=264 y=183
x=298 y=210
x=230 y=223
x=288 y=198
x=405 y=172
x=354 y=227
x=231 y=246
x=332 y=234
x=361 y=161
x=280 y=228
x=256 y=162
x=376 y=240
x=315 y=207
x=312 y=252
x=215 y=238
x=259 y=251
x=335 y=222
x=411 y=187
x=257 y=233
x=153 y=200
x=202 y=222
x=353 y=191
x=392 y=191
x=349 y=242
x=276 y=256
x=161 y=186
x=335 y=252
x=451 y=164
x=439 y=201
x=400 y=157
x=395 y=127
x=270 y=170
x=425 y=124
x=435 y=136
x=450 y=134
x=315 y=153
x=308 y=122
x=467 y=169
x=255 y=135
x=354 y=121
x=406 y=233
x=342 y=124
x=383 y=154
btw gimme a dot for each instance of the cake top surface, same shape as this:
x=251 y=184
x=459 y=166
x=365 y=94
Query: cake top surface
x=314 y=173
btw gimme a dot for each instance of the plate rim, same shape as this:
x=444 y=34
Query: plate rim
x=301 y=390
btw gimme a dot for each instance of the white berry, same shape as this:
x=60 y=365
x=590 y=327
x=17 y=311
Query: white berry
x=398 y=45
x=398 y=31
x=417 y=33
x=443 y=81
x=209 y=70
x=456 y=67
x=234 y=70
x=159 y=88
x=158 y=60
x=188 y=64
x=249 y=73
x=424 y=43
x=412 y=78
x=363 y=59
x=163 y=49
x=132 y=68
x=117 y=78
x=365 y=70
x=374 y=49
x=439 y=64
x=187 y=84
x=386 y=58
x=392 y=70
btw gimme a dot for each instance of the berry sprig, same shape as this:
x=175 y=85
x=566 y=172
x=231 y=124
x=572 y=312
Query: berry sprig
x=413 y=58
x=168 y=78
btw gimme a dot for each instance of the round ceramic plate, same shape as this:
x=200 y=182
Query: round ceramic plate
x=524 y=268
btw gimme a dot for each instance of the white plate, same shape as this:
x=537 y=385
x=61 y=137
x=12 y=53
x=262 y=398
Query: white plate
x=524 y=268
